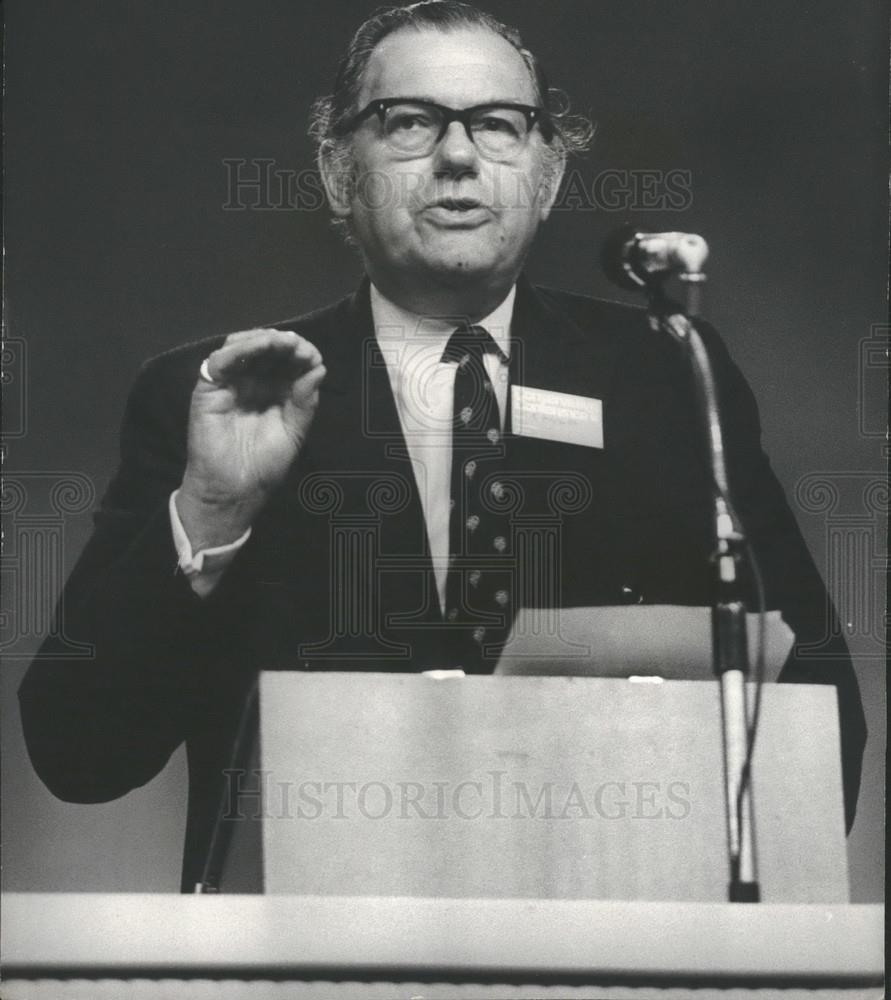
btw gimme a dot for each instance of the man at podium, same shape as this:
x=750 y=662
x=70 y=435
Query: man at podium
x=382 y=484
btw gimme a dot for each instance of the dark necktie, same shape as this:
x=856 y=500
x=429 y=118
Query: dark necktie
x=479 y=583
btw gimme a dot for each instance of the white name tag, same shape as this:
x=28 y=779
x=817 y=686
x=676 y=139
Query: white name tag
x=556 y=416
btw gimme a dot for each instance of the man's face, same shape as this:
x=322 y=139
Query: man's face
x=451 y=218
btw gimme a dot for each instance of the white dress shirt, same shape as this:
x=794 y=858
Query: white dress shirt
x=423 y=388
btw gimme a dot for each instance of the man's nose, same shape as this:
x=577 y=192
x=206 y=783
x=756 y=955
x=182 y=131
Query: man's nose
x=456 y=150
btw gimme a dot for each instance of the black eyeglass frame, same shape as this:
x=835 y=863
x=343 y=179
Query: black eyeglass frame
x=534 y=116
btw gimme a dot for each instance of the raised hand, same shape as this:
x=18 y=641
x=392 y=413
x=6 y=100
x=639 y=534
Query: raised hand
x=251 y=411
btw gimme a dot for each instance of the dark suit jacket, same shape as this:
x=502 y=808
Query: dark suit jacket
x=633 y=519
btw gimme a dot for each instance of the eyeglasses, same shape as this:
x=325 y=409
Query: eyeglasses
x=413 y=127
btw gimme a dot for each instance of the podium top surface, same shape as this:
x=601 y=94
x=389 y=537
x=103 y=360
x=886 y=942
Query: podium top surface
x=154 y=935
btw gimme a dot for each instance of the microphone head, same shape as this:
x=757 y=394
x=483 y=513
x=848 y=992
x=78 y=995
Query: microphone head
x=642 y=261
x=617 y=258
x=691 y=251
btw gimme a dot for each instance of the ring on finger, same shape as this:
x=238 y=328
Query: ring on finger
x=204 y=373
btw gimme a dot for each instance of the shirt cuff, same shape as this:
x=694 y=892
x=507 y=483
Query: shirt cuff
x=203 y=569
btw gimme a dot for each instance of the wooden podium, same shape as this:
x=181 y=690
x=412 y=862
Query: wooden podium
x=488 y=837
x=567 y=788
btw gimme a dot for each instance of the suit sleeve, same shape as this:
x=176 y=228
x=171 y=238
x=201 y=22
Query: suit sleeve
x=791 y=579
x=100 y=726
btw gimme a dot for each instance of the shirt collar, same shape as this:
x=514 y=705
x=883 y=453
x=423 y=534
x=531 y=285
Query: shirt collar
x=392 y=322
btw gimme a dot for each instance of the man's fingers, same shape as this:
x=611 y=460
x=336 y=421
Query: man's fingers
x=304 y=398
x=278 y=355
x=307 y=384
x=243 y=336
x=283 y=345
x=240 y=335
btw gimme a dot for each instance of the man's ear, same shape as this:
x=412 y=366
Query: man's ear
x=336 y=168
x=552 y=178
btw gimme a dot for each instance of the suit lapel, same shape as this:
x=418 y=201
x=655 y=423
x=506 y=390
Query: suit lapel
x=358 y=438
x=549 y=351
x=546 y=345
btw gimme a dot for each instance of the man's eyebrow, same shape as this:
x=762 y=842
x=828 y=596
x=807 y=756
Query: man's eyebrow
x=475 y=104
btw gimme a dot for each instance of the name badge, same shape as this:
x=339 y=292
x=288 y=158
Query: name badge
x=556 y=416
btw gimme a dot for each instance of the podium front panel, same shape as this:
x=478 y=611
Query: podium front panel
x=558 y=787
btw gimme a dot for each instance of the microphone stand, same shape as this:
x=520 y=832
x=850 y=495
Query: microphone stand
x=729 y=642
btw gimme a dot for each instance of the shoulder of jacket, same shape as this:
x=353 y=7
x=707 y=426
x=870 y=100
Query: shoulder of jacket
x=187 y=357
x=589 y=307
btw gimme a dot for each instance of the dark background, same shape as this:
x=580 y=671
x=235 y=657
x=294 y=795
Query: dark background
x=120 y=115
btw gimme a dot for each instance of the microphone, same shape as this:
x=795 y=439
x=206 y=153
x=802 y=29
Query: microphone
x=636 y=260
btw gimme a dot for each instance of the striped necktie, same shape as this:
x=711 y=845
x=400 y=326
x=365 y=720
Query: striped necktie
x=479 y=585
